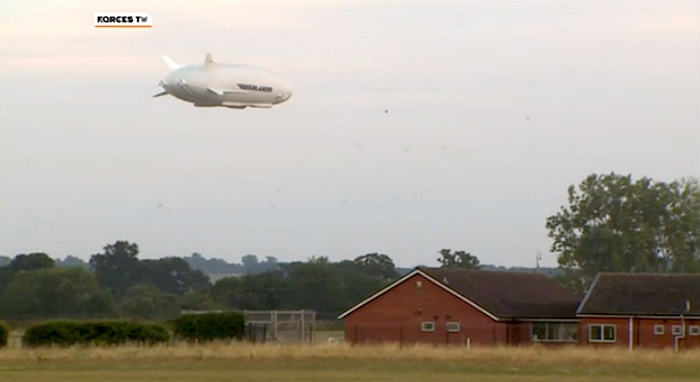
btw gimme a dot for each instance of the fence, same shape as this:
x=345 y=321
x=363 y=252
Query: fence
x=281 y=326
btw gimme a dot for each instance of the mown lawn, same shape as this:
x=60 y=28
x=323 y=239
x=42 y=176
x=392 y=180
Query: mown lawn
x=211 y=370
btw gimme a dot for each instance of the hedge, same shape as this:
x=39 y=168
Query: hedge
x=209 y=326
x=4 y=333
x=67 y=333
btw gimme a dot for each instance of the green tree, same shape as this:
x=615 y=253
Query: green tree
x=458 y=259
x=32 y=261
x=55 y=292
x=23 y=262
x=172 y=275
x=377 y=264
x=268 y=290
x=250 y=264
x=314 y=285
x=72 y=261
x=199 y=262
x=148 y=302
x=118 y=267
x=616 y=224
x=356 y=283
x=199 y=300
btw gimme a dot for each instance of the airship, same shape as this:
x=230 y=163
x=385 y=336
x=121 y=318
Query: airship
x=213 y=84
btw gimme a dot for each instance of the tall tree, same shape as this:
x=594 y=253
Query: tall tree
x=118 y=267
x=614 y=223
x=199 y=262
x=377 y=264
x=24 y=262
x=172 y=275
x=32 y=261
x=458 y=259
x=72 y=261
x=357 y=283
x=314 y=285
x=250 y=264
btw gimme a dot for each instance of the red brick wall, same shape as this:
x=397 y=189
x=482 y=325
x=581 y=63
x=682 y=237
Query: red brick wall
x=621 y=331
x=642 y=332
x=396 y=316
x=645 y=335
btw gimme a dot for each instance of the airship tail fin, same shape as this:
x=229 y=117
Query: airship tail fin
x=171 y=64
x=208 y=60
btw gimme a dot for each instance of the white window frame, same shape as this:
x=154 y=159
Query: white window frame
x=694 y=330
x=560 y=327
x=602 y=332
x=427 y=326
x=455 y=327
x=677 y=330
x=659 y=330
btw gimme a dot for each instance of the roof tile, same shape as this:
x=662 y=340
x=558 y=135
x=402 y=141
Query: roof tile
x=510 y=294
x=643 y=294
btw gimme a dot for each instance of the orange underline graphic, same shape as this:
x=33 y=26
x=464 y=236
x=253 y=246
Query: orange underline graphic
x=123 y=26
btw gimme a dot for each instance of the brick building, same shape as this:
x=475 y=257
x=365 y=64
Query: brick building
x=642 y=310
x=460 y=306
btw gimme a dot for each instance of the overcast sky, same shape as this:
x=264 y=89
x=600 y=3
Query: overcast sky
x=494 y=109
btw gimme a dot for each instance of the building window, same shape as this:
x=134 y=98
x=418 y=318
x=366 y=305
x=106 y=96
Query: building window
x=677 y=330
x=427 y=326
x=694 y=330
x=453 y=327
x=554 y=332
x=601 y=333
x=659 y=330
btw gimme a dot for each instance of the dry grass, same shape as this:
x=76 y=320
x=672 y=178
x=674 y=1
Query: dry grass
x=579 y=356
x=342 y=362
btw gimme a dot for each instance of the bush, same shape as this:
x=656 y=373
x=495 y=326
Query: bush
x=209 y=326
x=67 y=333
x=4 y=333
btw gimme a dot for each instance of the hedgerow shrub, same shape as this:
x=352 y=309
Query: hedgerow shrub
x=4 y=333
x=209 y=326
x=67 y=333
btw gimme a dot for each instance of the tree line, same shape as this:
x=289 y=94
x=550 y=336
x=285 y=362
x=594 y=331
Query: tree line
x=249 y=264
x=611 y=223
x=118 y=284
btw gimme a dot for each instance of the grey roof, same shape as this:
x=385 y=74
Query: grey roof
x=642 y=294
x=510 y=295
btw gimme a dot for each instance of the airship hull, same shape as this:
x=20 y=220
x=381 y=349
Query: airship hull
x=224 y=85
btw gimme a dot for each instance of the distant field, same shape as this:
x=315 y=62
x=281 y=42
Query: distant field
x=341 y=362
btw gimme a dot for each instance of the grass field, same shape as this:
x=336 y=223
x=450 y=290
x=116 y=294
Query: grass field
x=341 y=362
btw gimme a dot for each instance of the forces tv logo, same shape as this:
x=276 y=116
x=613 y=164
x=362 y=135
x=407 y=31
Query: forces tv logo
x=123 y=20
